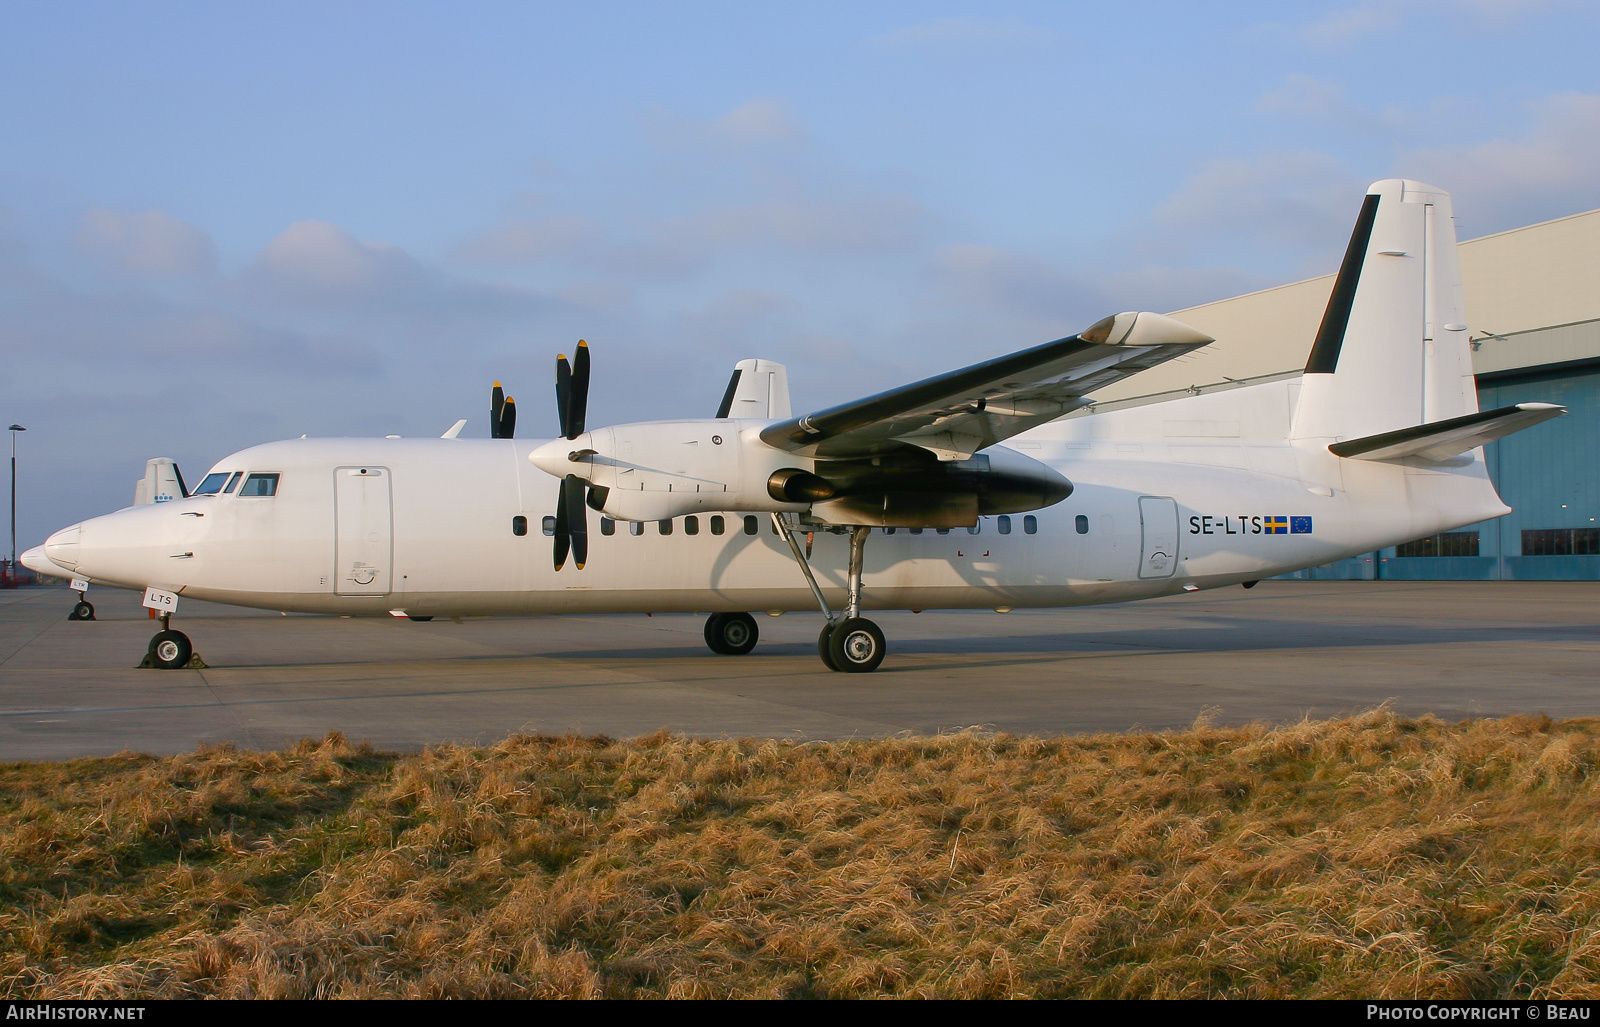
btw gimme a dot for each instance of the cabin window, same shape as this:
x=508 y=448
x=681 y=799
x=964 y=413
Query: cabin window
x=751 y=525
x=1004 y=523
x=942 y=531
x=211 y=485
x=718 y=525
x=549 y=525
x=1030 y=524
x=975 y=528
x=1081 y=522
x=888 y=531
x=915 y=531
x=636 y=527
x=260 y=485
x=608 y=526
x=691 y=525
x=233 y=482
x=665 y=527
x=519 y=525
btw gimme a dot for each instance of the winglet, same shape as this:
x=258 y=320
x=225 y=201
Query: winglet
x=455 y=429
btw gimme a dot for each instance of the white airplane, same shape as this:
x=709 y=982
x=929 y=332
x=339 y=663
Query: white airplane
x=902 y=500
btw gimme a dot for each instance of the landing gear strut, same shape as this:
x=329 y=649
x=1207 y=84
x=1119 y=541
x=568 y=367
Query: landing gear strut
x=731 y=634
x=849 y=642
x=169 y=649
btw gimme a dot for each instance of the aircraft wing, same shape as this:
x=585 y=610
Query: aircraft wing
x=956 y=414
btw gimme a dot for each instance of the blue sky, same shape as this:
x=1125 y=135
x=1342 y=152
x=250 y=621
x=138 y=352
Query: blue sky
x=222 y=224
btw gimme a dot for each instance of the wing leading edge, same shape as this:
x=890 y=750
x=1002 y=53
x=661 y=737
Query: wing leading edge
x=954 y=415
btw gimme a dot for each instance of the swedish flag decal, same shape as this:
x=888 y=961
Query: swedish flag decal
x=1276 y=525
x=1299 y=525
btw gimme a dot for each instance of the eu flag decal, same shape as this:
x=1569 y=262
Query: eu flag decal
x=1276 y=525
x=1299 y=525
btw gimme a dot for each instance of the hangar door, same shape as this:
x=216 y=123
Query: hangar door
x=364 y=538
x=1158 y=526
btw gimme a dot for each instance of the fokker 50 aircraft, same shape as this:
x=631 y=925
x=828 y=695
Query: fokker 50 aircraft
x=904 y=500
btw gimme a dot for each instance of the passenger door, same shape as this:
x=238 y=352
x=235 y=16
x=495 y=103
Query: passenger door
x=1158 y=525
x=364 y=538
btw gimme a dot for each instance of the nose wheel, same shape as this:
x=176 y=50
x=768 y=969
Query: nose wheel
x=171 y=650
x=731 y=634
x=83 y=610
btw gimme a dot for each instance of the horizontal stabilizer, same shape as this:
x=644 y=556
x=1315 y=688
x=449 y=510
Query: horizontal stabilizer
x=1442 y=440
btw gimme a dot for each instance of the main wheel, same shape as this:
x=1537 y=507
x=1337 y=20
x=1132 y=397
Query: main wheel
x=82 y=611
x=424 y=619
x=822 y=647
x=731 y=634
x=170 y=650
x=856 y=646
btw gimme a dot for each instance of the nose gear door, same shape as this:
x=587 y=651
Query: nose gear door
x=1158 y=523
x=364 y=534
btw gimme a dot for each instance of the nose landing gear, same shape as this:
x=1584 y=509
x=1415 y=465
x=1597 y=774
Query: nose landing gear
x=171 y=650
x=83 y=610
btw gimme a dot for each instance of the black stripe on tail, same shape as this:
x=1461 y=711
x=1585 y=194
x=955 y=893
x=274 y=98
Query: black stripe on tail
x=1330 y=336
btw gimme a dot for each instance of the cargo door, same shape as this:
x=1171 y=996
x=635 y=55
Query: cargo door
x=1158 y=549
x=364 y=537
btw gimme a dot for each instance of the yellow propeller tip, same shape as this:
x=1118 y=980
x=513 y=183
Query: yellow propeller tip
x=497 y=385
x=585 y=345
x=580 y=566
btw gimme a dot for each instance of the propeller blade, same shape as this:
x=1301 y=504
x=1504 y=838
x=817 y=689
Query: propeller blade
x=497 y=401
x=508 y=419
x=573 y=488
x=563 y=535
x=564 y=394
x=578 y=401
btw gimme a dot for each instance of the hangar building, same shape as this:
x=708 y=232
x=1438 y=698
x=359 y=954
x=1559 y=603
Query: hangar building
x=1533 y=306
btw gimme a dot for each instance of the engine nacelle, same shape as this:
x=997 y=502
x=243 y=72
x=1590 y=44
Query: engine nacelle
x=655 y=470
x=658 y=470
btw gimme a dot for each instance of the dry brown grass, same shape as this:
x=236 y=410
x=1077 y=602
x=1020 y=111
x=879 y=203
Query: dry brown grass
x=1370 y=856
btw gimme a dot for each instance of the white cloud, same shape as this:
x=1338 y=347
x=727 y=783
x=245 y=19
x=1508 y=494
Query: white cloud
x=1551 y=170
x=1345 y=25
x=764 y=121
x=318 y=263
x=1303 y=200
x=533 y=239
x=1305 y=98
x=970 y=34
x=149 y=244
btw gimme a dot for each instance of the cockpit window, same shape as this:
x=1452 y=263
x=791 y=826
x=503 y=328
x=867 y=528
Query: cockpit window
x=233 y=482
x=260 y=485
x=212 y=484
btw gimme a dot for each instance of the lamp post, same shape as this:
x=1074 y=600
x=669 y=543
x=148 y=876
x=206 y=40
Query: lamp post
x=11 y=568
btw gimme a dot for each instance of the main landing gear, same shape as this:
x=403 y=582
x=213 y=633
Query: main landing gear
x=731 y=634
x=849 y=642
x=170 y=650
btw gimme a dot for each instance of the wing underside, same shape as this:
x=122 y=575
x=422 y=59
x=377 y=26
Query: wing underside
x=954 y=415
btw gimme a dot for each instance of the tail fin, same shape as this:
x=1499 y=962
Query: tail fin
x=1392 y=351
x=758 y=388
x=162 y=482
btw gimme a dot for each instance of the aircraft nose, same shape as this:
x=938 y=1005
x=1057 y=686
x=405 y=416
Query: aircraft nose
x=61 y=548
x=36 y=560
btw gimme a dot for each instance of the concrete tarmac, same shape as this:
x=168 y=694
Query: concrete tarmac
x=1279 y=652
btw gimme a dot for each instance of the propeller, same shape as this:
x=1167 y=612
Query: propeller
x=502 y=414
x=572 y=404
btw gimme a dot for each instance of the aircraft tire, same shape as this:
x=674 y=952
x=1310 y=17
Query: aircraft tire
x=82 y=611
x=822 y=647
x=856 y=646
x=170 y=650
x=731 y=634
x=420 y=618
